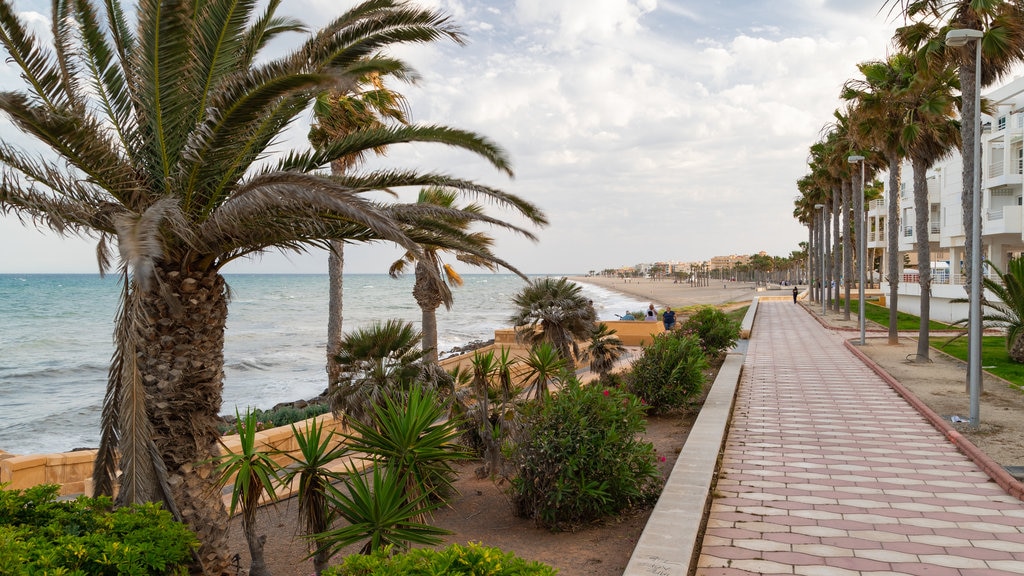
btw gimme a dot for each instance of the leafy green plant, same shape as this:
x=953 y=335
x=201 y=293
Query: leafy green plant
x=282 y=416
x=669 y=372
x=491 y=408
x=464 y=560
x=316 y=452
x=380 y=512
x=544 y=367
x=581 y=457
x=412 y=437
x=716 y=331
x=253 y=473
x=41 y=535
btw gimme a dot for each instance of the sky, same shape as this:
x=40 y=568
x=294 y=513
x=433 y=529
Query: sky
x=647 y=130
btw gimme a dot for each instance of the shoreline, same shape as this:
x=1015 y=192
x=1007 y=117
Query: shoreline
x=664 y=293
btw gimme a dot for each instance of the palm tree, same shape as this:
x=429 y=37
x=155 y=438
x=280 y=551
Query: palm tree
x=1002 y=22
x=1008 y=308
x=162 y=132
x=377 y=363
x=434 y=277
x=604 y=349
x=931 y=132
x=339 y=114
x=553 y=311
x=877 y=124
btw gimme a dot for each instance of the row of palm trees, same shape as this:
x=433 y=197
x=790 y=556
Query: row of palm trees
x=161 y=121
x=916 y=105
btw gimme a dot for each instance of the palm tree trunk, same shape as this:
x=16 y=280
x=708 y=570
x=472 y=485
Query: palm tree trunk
x=847 y=242
x=335 y=269
x=893 y=237
x=428 y=296
x=826 y=244
x=924 y=253
x=258 y=565
x=180 y=360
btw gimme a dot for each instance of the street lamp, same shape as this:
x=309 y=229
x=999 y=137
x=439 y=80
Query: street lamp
x=861 y=244
x=821 y=255
x=959 y=38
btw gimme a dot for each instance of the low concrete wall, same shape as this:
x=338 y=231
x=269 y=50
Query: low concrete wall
x=671 y=539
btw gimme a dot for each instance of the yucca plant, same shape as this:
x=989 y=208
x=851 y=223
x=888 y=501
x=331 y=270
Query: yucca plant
x=412 y=436
x=317 y=451
x=546 y=367
x=379 y=513
x=253 y=474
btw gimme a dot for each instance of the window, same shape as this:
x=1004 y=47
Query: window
x=1001 y=123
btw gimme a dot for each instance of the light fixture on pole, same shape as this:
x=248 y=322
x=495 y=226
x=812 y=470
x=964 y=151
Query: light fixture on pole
x=821 y=252
x=861 y=244
x=958 y=38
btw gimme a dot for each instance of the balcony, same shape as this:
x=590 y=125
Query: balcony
x=1005 y=220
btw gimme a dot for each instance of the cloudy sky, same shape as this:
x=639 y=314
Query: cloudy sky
x=648 y=130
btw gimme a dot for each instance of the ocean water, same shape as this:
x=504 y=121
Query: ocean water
x=56 y=341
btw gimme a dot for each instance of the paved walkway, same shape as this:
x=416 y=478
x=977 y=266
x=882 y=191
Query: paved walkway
x=827 y=471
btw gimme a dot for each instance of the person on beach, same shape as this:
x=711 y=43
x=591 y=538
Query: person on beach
x=668 y=317
x=794 y=294
x=652 y=316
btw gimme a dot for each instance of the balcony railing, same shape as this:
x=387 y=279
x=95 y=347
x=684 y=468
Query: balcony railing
x=934 y=228
x=908 y=231
x=995 y=168
x=996 y=214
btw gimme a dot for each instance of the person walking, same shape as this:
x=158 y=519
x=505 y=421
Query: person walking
x=794 y=294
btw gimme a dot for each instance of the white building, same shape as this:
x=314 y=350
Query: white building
x=1002 y=213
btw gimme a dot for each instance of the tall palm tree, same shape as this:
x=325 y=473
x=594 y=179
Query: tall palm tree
x=931 y=131
x=370 y=104
x=434 y=277
x=1002 y=22
x=556 y=312
x=162 y=132
x=878 y=124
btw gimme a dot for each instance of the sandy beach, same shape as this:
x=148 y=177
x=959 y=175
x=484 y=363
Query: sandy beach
x=664 y=293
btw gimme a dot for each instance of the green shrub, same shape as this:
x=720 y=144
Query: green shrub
x=581 y=458
x=282 y=416
x=669 y=372
x=469 y=560
x=40 y=535
x=715 y=330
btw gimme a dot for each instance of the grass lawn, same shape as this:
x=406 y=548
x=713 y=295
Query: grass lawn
x=994 y=358
x=904 y=321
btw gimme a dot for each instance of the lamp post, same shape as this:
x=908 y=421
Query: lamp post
x=821 y=252
x=958 y=38
x=861 y=244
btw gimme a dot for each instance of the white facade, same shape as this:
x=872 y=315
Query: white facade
x=1002 y=213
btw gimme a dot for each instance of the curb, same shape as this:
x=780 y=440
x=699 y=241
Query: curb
x=996 y=472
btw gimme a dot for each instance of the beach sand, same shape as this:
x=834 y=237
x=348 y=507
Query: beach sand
x=664 y=293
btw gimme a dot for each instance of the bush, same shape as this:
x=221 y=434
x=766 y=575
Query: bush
x=469 y=560
x=669 y=372
x=282 y=416
x=581 y=459
x=39 y=535
x=715 y=330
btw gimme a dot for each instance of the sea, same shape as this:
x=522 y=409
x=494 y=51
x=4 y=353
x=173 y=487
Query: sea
x=56 y=341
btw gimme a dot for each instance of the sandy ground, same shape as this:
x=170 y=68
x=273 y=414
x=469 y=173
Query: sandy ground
x=481 y=512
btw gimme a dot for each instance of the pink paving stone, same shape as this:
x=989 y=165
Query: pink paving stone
x=852 y=543
x=848 y=525
x=967 y=534
x=724 y=572
x=733 y=533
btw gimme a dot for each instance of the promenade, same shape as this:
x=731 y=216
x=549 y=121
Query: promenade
x=828 y=471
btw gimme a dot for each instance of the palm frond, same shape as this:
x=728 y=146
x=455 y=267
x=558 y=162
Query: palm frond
x=37 y=64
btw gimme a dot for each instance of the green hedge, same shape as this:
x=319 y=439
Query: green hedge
x=85 y=537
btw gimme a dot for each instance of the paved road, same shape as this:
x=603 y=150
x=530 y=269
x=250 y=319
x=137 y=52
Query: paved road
x=827 y=471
